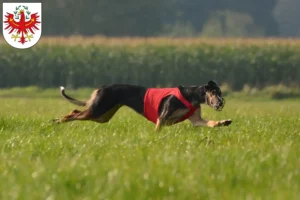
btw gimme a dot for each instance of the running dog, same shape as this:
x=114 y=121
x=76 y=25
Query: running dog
x=162 y=106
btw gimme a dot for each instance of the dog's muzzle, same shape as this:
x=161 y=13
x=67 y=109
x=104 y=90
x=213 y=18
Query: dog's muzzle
x=220 y=105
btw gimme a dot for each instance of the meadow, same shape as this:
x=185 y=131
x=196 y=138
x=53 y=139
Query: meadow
x=257 y=157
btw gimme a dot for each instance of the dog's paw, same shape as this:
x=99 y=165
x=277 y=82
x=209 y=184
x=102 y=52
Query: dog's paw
x=55 y=121
x=226 y=122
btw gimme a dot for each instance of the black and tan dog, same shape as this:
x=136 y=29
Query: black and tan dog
x=162 y=106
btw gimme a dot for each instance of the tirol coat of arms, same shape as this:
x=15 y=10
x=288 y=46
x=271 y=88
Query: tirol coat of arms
x=22 y=27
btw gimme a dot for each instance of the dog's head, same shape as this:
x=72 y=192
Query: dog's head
x=213 y=96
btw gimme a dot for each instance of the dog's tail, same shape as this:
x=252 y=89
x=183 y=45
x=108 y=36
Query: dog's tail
x=70 y=99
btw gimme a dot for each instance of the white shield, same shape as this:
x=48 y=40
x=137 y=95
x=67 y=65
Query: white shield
x=22 y=24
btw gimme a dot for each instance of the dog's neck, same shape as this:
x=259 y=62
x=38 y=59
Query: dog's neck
x=195 y=95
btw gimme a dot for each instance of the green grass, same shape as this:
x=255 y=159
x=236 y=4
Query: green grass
x=257 y=157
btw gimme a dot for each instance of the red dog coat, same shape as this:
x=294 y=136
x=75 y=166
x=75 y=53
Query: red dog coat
x=153 y=98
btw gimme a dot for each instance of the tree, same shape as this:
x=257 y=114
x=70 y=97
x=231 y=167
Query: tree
x=287 y=14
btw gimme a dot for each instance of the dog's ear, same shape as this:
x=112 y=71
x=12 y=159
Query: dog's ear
x=212 y=83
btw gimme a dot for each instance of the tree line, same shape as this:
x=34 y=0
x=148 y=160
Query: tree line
x=146 y=18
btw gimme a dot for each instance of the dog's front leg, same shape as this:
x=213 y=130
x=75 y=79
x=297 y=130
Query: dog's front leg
x=158 y=125
x=211 y=123
x=198 y=121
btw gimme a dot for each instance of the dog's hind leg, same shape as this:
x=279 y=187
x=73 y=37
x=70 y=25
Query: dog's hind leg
x=75 y=115
x=87 y=115
x=101 y=108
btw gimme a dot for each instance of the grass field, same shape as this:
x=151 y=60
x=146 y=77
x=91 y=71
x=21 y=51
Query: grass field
x=257 y=157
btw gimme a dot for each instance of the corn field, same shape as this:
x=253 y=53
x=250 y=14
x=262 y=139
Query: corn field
x=90 y=62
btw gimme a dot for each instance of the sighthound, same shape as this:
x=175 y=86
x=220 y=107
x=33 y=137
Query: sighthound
x=162 y=106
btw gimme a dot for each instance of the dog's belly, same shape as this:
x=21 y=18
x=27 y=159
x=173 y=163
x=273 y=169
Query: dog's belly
x=108 y=115
x=176 y=116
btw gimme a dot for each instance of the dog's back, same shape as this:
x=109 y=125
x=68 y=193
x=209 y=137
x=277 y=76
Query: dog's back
x=117 y=94
x=129 y=95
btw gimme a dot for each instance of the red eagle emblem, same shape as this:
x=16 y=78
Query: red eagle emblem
x=23 y=27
